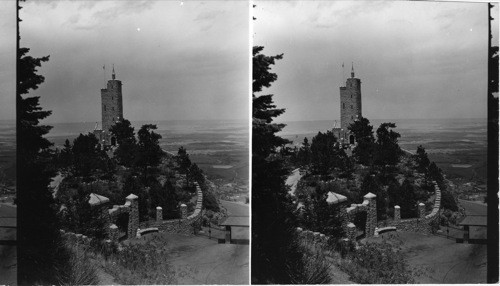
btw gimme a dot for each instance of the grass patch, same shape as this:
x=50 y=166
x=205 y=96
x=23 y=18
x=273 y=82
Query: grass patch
x=79 y=269
x=142 y=264
x=378 y=263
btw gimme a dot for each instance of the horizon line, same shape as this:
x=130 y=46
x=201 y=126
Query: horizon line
x=443 y=118
x=142 y=120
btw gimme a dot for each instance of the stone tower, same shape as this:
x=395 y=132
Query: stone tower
x=111 y=106
x=350 y=101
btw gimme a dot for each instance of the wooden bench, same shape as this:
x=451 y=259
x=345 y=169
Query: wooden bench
x=141 y=232
x=384 y=229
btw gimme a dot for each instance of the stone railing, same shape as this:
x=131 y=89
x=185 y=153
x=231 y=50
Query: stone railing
x=185 y=225
x=76 y=237
x=369 y=205
x=311 y=236
x=421 y=223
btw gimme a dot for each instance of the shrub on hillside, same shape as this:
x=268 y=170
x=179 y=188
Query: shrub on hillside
x=79 y=269
x=448 y=201
x=377 y=263
x=210 y=202
x=141 y=264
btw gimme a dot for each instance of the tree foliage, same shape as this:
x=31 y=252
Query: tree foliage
x=318 y=215
x=126 y=151
x=273 y=258
x=149 y=152
x=365 y=148
x=183 y=163
x=370 y=184
x=387 y=148
x=421 y=159
x=406 y=199
x=324 y=153
x=40 y=251
x=304 y=153
x=87 y=156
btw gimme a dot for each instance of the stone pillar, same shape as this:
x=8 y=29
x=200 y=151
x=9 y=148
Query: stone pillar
x=371 y=214
x=421 y=210
x=351 y=232
x=159 y=214
x=113 y=232
x=183 y=211
x=228 y=234
x=133 y=215
x=397 y=214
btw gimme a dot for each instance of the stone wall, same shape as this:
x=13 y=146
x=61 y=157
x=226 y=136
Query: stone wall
x=420 y=224
x=187 y=224
x=75 y=237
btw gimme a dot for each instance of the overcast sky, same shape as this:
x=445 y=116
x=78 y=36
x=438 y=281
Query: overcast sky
x=176 y=60
x=414 y=59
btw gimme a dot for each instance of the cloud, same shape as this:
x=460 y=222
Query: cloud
x=92 y=14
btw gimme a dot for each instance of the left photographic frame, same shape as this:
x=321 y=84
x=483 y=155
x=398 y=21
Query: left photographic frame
x=133 y=142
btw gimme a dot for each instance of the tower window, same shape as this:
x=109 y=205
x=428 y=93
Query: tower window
x=104 y=107
x=351 y=95
x=112 y=97
x=343 y=105
x=352 y=117
x=351 y=106
x=112 y=108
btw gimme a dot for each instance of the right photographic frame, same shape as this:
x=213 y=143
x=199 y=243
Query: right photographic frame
x=374 y=142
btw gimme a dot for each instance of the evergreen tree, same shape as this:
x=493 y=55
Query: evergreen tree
x=40 y=252
x=87 y=156
x=126 y=151
x=434 y=173
x=197 y=174
x=304 y=154
x=324 y=153
x=370 y=184
x=406 y=200
x=387 y=148
x=66 y=155
x=421 y=159
x=149 y=151
x=183 y=163
x=275 y=257
x=365 y=148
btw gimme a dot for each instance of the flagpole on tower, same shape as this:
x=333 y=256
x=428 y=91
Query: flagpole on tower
x=104 y=74
x=343 y=76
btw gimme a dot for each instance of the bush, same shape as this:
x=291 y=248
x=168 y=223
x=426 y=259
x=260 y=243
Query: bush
x=309 y=266
x=210 y=202
x=79 y=269
x=378 y=263
x=448 y=201
x=141 y=264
